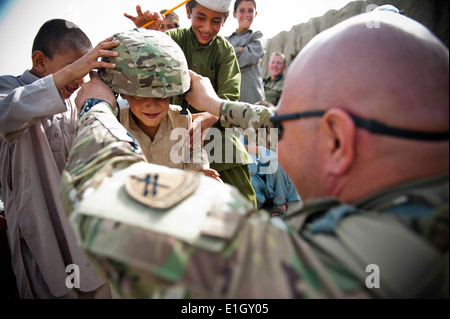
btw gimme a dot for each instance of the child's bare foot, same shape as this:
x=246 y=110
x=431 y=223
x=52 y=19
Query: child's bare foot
x=279 y=210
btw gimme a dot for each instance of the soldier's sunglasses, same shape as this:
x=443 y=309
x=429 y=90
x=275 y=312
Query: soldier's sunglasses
x=372 y=126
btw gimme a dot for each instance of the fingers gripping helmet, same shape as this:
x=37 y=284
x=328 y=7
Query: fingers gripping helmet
x=149 y=64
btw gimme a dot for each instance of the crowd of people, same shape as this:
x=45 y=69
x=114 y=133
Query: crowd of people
x=169 y=193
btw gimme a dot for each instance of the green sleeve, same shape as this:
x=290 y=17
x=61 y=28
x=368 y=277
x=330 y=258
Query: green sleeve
x=175 y=34
x=229 y=74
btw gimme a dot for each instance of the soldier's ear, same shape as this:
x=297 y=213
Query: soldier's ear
x=338 y=132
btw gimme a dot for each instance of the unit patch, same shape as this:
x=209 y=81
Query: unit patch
x=161 y=190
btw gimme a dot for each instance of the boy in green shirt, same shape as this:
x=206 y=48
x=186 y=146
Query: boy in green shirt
x=212 y=56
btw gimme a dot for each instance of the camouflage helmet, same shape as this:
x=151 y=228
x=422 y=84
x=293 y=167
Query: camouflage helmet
x=149 y=64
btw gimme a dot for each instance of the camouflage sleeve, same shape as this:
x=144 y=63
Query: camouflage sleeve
x=244 y=115
x=102 y=145
x=254 y=120
x=265 y=259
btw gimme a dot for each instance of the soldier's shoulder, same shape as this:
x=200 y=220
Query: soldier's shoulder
x=187 y=206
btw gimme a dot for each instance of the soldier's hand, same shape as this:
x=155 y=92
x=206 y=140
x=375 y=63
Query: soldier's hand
x=143 y=18
x=97 y=89
x=202 y=95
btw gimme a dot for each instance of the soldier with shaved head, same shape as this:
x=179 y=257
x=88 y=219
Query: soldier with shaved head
x=363 y=128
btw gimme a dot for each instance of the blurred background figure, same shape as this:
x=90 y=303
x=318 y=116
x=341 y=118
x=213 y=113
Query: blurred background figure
x=249 y=47
x=171 y=21
x=273 y=85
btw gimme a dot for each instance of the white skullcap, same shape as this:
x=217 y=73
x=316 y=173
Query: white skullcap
x=216 y=5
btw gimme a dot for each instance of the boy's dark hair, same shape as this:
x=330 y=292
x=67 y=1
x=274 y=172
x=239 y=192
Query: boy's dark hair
x=58 y=36
x=238 y=2
x=192 y=4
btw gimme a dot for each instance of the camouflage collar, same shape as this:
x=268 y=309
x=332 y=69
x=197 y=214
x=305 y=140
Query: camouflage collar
x=278 y=78
x=434 y=189
x=430 y=191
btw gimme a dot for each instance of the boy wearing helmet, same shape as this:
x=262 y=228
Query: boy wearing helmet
x=150 y=69
x=212 y=56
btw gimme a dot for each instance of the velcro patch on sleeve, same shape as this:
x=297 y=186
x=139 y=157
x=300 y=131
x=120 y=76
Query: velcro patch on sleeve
x=161 y=190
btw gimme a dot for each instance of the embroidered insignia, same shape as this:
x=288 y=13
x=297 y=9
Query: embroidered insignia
x=161 y=190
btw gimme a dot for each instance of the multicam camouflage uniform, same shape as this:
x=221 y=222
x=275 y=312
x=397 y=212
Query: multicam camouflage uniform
x=160 y=232
x=211 y=244
x=273 y=89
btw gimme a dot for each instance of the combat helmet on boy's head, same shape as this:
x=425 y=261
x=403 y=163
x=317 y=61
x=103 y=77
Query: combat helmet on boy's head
x=149 y=64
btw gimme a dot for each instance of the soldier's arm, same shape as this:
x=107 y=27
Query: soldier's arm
x=101 y=145
x=203 y=97
x=232 y=114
